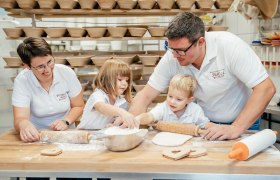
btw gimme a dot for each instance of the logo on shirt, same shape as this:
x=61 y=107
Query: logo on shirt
x=61 y=97
x=218 y=74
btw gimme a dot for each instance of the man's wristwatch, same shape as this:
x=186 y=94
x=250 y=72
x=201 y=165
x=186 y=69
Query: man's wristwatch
x=66 y=122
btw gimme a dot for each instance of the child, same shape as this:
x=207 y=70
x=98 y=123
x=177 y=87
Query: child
x=110 y=97
x=179 y=106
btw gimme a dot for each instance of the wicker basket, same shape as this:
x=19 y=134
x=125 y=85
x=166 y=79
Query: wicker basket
x=78 y=61
x=165 y=4
x=13 y=32
x=60 y=60
x=89 y=77
x=146 y=4
x=55 y=32
x=67 y=4
x=136 y=72
x=33 y=31
x=125 y=58
x=76 y=32
x=146 y=77
x=47 y=4
x=223 y=4
x=137 y=32
x=138 y=85
x=117 y=32
x=148 y=69
x=148 y=59
x=106 y=4
x=87 y=4
x=100 y=60
x=185 y=4
x=157 y=31
x=26 y=4
x=96 y=32
x=8 y=4
x=205 y=4
x=127 y=4
x=13 y=61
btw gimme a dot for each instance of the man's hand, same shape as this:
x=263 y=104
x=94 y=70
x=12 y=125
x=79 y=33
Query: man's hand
x=59 y=125
x=28 y=132
x=222 y=132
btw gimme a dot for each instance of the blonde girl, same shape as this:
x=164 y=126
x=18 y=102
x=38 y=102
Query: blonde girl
x=110 y=98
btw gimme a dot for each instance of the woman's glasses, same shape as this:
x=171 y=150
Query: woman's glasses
x=42 y=67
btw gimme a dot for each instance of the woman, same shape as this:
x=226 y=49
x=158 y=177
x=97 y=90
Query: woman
x=46 y=95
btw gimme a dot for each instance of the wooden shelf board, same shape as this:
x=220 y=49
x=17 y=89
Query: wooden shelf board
x=13 y=67
x=39 y=13
x=91 y=39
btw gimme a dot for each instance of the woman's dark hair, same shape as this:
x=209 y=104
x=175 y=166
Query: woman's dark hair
x=33 y=47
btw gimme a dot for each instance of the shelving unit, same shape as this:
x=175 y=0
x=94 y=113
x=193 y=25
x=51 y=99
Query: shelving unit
x=37 y=14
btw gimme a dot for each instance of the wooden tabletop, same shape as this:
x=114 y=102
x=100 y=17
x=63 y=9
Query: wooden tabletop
x=24 y=159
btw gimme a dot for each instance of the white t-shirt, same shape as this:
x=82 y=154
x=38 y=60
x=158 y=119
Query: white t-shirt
x=229 y=70
x=46 y=107
x=92 y=119
x=193 y=114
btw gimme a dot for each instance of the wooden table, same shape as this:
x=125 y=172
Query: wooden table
x=18 y=159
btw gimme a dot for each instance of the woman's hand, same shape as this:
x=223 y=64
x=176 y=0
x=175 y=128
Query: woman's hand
x=59 y=125
x=28 y=132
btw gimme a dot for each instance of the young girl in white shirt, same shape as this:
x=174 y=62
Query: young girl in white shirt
x=110 y=98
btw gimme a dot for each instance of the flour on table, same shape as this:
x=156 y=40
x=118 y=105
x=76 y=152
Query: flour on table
x=197 y=144
x=170 y=139
x=115 y=130
x=94 y=145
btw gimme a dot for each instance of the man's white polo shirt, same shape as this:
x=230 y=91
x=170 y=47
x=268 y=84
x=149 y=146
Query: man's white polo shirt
x=229 y=71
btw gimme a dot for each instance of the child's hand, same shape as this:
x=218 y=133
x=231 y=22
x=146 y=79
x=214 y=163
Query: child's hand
x=126 y=120
x=129 y=120
x=116 y=122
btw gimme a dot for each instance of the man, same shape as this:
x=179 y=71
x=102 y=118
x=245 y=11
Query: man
x=233 y=86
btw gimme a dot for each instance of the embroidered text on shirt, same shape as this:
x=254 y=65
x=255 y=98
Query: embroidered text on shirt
x=218 y=74
x=61 y=97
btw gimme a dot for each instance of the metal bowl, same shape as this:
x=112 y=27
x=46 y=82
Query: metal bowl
x=126 y=142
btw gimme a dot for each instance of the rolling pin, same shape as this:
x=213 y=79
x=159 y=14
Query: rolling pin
x=190 y=129
x=70 y=136
x=253 y=144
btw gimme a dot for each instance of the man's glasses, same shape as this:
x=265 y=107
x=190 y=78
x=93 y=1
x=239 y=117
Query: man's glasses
x=182 y=52
x=42 y=67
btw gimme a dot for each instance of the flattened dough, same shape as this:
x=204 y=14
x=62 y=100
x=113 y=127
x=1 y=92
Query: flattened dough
x=176 y=153
x=51 y=152
x=170 y=139
x=197 y=152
